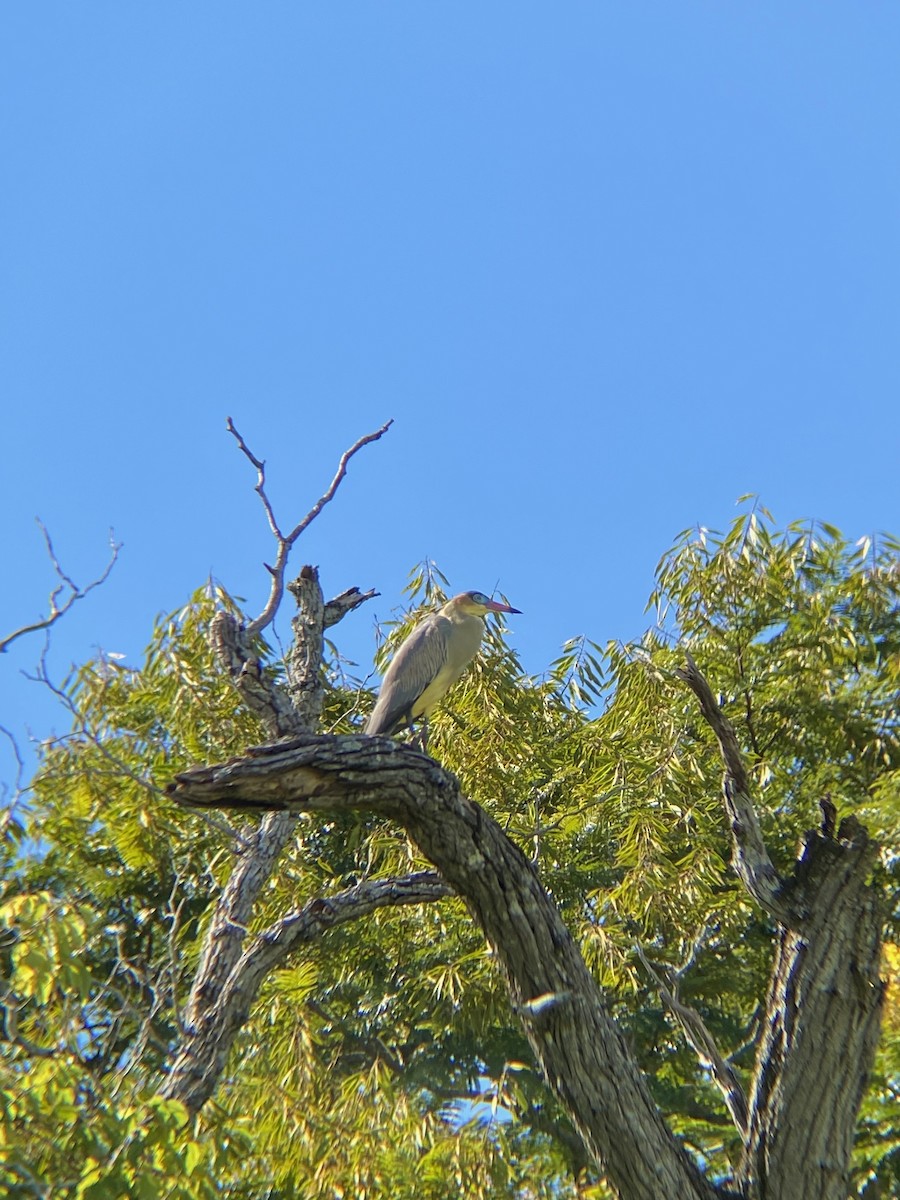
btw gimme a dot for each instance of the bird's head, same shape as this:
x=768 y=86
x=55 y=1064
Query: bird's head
x=478 y=604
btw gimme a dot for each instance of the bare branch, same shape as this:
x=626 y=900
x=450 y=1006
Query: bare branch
x=271 y=947
x=20 y=761
x=338 y=476
x=58 y=607
x=304 y=659
x=750 y=858
x=212 y=1026
x=233 y=911
x=201 y=1055
x=285 y=542
x=558 y=1001
x=260 y=488
x=8 y=814
x=704 y=1045
x=346 y=602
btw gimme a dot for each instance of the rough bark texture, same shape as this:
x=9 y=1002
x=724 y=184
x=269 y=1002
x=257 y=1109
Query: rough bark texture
x=268 y=702
x=221 y=1004
x=224 y=986
x=750 y=857
x=823 y=1013
x=824 y=1000
x=581 y=1050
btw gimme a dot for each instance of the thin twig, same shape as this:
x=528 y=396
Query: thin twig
x=20 y=761
x=703 y=1044
x=8 y=812
x=81 y=729
x=338 y=476
x=286 y=541
x=76 y=593
x=260 y=488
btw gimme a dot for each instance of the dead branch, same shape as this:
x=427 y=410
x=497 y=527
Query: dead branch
x=582 y=1052
x=18 y=788
x=216 y=1006
x=259 y=691
x=346 y=602
x=284 y=542
x=271 y=947
x=262 y=694
x=60 y=602
x=212 y=1025
x=750 y=858
x=704 y=1045
x=211 y=1019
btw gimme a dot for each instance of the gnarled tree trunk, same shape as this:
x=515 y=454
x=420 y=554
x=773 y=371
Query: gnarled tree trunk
x=824 y=999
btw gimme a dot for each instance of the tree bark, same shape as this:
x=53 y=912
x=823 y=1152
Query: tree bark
x=224 y=987
x=582 y=1052
x=823 y=1014
x=221 y=1002
x=824 y=1000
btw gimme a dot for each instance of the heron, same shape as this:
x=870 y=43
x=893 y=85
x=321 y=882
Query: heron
x=430 y=661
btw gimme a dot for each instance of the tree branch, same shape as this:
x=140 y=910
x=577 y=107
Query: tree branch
x=750 y=858
x=261 y=694
x=202 y=1058
x=821 y=1024
x=285 y=542
x=59 y=609
x=260 y=488
x=824 y=1003
x=208 y=1029
x=346 y=602
x=584 y=1056
x=7 y=816
x=704 y=1045
x=270 y=948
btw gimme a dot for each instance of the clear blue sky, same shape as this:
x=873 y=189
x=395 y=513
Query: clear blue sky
x=607 y=265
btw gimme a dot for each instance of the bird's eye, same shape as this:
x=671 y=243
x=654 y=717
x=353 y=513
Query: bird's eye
x=479 y=597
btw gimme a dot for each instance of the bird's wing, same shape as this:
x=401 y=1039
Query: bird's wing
x=412 y=669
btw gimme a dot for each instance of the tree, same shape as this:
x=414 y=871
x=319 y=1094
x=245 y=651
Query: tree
x=317 y=992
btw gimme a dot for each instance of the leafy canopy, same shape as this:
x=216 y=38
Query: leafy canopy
x=385 y=1060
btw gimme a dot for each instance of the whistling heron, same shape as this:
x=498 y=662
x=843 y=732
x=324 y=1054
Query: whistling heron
x=430 y=661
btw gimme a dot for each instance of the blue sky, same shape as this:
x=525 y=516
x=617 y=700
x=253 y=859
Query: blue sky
x=608 y=266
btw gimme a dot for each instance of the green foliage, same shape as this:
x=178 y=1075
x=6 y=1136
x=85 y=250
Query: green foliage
x=384 y=1061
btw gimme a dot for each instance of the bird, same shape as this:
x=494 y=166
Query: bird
x=429 y=662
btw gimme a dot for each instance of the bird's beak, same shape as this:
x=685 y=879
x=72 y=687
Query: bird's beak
x=496 y=606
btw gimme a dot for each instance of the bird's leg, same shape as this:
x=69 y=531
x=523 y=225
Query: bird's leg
x=419 y=737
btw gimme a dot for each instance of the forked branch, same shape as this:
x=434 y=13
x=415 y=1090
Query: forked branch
x=213 y=1024
x=582 y=1052
x=285 y=541
x=65 y=594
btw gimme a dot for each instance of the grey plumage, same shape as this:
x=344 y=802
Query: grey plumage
x=430 y=661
